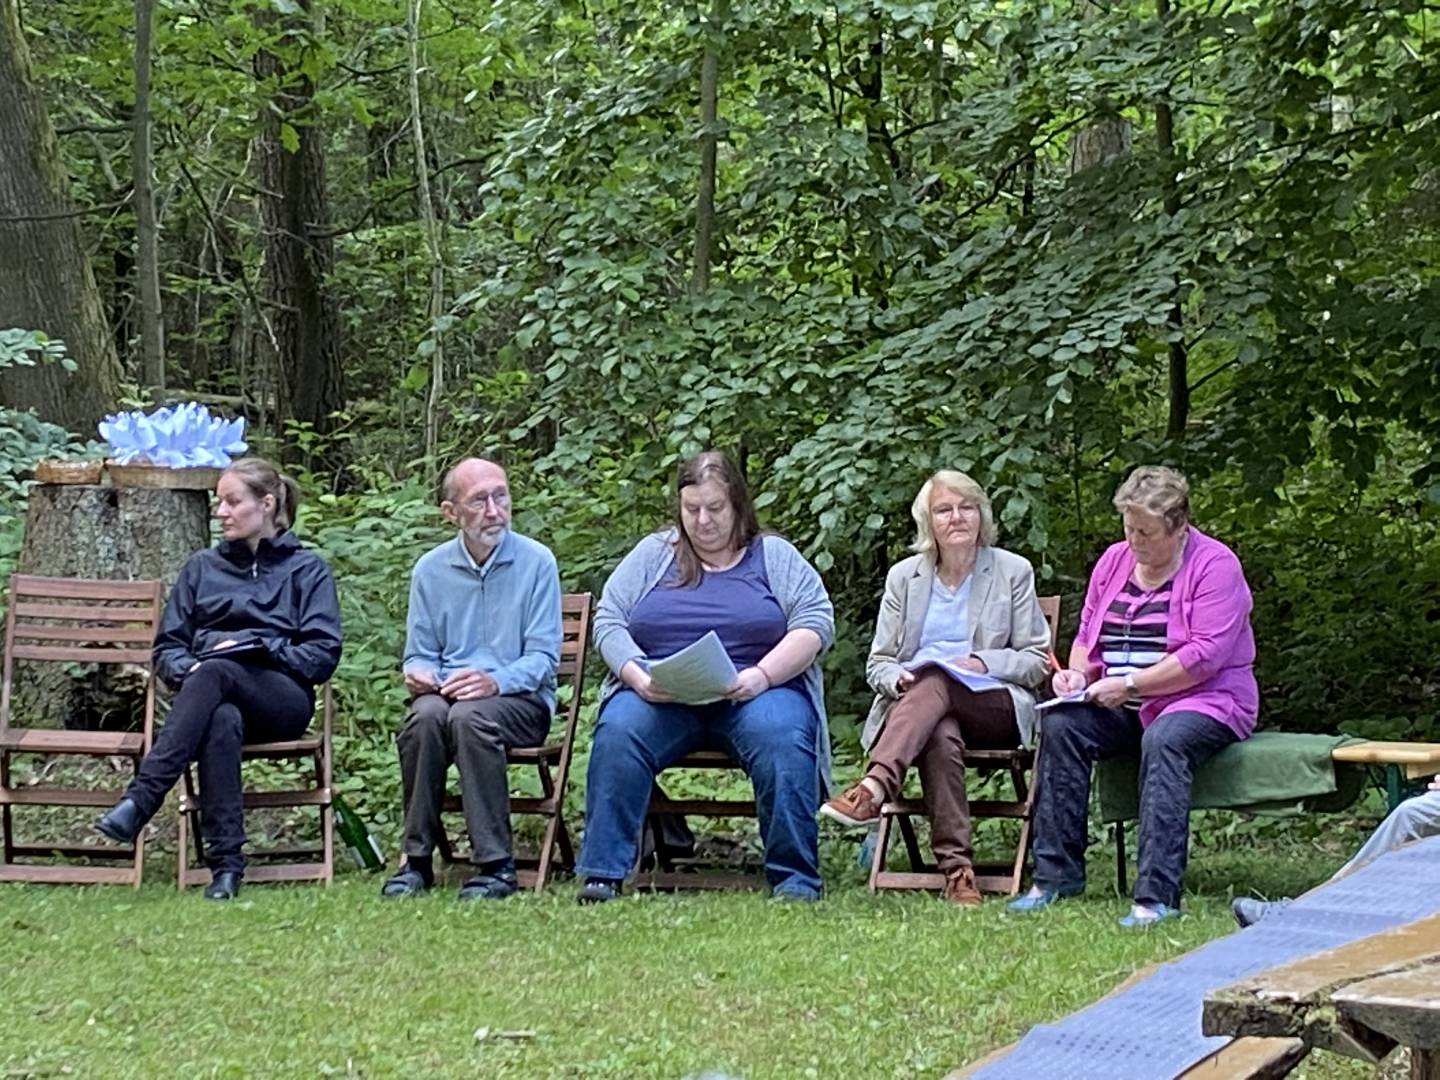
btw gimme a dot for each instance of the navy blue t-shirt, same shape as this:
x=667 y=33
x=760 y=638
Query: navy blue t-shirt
x=736 y=603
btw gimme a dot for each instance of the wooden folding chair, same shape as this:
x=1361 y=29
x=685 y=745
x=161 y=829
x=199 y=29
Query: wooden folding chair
x=74 y=620
x=1004 y=877
x=665 y=876
x=295 y=862
x=551 y=760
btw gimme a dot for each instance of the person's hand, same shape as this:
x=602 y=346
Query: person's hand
x=752 y=682
x=1435 y=783
x=421 y=682
x=1068 y=681
x=468 y=685
x=971 y=663
x=638 y=679
x=1110 y=691
x=903 y=682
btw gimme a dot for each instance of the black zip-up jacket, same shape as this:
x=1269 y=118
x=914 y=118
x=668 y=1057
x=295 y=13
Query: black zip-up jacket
x=280 y=593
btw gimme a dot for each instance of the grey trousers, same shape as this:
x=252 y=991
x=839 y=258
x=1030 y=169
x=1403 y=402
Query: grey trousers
x=474 y=735
x=1414 y=819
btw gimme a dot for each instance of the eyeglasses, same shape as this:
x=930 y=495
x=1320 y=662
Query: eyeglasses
x=501 y=499
x=952 y=510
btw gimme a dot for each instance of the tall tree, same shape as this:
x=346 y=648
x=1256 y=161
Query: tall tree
x=46 y=282
x=432 y=239
x=294 y=210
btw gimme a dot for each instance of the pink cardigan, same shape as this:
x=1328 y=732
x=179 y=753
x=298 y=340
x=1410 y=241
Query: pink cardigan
x=1209 y=631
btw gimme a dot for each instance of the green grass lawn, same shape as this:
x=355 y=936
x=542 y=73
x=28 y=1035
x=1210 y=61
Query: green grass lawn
x=305 y=981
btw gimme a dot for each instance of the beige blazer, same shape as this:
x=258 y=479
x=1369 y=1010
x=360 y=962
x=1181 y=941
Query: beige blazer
x=1008 y=632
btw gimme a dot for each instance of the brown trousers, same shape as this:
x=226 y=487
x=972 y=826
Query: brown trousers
x=930 y=727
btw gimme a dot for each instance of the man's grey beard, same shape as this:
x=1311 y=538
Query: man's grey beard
x=476 y=534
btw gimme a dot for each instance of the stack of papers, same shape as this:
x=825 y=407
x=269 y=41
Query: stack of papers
x=1072 y=698
x=698 y=674
x=971 y=679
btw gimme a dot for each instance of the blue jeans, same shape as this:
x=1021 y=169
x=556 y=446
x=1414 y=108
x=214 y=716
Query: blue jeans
x=771 y=735
x=1072 y=739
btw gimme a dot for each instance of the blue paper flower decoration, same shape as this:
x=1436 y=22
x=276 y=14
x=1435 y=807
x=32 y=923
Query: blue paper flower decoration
x=179 y=438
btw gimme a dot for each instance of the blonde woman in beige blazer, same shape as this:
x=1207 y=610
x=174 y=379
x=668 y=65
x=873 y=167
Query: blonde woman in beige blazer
x=958 y=608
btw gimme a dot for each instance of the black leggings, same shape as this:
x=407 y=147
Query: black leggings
x=221 y=705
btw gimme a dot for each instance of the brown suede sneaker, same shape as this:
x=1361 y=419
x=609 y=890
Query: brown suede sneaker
x=960 y=887
x=855 y=806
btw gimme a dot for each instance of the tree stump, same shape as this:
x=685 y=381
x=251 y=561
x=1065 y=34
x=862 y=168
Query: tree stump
x=114 y=533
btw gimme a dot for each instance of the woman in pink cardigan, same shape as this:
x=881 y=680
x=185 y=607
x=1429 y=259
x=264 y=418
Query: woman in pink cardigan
x=1162 y=666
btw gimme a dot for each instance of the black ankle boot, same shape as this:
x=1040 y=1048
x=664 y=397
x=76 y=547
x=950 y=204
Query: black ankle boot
x=122 y=822
x=223 y=886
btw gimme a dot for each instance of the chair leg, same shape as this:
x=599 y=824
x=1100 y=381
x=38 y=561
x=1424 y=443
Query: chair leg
x=547 y=851
x=912 y=844
x=562 y=837
x=1122 y=883
x=882 y=849
x=7 y=823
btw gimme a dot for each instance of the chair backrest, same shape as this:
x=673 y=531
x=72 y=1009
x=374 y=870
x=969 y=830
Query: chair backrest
x=1050 y=608
x=574 y=643
x=79 y=620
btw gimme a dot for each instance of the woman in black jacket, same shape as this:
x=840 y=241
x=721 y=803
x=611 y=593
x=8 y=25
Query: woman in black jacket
x=252 y=626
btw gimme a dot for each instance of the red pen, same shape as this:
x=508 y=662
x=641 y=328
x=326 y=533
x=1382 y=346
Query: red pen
x=1054 y=663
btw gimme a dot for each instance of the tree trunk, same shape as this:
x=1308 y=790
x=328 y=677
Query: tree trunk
x=1179 y=368
x=147 y=231
x=47 y=283
x=299 y=255
x=432 y=243
x=709 y=148
x=113 y=533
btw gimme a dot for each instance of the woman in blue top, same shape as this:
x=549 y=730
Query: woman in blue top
x=713 y=571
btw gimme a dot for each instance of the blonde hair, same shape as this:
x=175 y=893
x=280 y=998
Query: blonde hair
x=262 y=478
x=962 y=485
x=1157 y=490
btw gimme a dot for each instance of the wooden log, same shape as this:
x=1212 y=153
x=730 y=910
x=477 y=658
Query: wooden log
x=112 y=533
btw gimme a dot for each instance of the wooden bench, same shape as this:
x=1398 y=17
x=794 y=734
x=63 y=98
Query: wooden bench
x=1403 y=764
x=1361 y=999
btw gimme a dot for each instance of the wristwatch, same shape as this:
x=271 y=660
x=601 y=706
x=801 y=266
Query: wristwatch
x=1130 y=684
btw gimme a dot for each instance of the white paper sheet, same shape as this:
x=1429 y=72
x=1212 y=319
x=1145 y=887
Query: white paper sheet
x=973 y=680
x=1064 y=699
x=698 y=674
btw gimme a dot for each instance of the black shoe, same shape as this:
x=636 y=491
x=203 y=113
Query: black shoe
x=598 y=891
x=489 y=887
x=223 y=886
x=1248 y=911
x=408 y=882
x=122 y=822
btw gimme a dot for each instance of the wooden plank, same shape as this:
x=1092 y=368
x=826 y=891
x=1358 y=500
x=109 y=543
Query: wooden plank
x=44 y=795
x=674 y=879
x=295 y=748
x=1295 y=999
x=257 y=800
x=34 y=631
x=704 y=807
x=68 y=875
x=83 y=588
x=1388 y=753
x=120 y=613
x=62 y=741
x=533 y=753
x=73 y=851
x=1402 y=1005
x=706 y=759
x=1251 y=1058
x=100 y=654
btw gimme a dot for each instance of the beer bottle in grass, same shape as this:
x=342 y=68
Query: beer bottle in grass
x=358 y=841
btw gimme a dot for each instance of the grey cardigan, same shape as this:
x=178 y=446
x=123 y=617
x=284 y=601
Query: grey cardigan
x=1008 y=632
x=795 y=583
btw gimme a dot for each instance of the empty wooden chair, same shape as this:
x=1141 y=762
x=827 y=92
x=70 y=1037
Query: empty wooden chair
x=74 y=621
x=1000 y=877
x=296 y=862
x=550 y=760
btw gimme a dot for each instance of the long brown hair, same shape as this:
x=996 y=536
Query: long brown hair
x=712 y=465
x=263 y=479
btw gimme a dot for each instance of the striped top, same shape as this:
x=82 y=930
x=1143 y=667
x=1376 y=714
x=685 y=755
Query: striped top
x=1132 y=633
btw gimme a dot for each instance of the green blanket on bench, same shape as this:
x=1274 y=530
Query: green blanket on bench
x=1273 y=772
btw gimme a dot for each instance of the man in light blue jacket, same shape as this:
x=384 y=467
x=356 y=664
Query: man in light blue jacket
x=482 y=644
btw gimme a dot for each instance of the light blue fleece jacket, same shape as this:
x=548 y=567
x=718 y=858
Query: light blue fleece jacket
x=795 y=583
x=502 y=617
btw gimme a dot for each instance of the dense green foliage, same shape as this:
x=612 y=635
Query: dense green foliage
x=919 y=258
